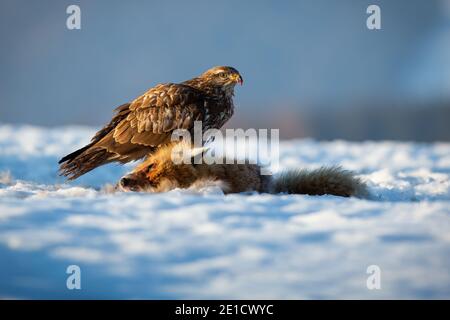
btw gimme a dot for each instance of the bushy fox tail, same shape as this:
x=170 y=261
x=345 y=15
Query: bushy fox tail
x=325 y=180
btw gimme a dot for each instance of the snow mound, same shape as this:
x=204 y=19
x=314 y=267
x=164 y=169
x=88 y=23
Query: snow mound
x=199 y=243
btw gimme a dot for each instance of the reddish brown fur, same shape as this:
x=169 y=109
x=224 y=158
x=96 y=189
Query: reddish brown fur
x=158 y=173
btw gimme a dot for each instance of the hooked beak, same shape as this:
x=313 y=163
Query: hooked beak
x=238 y=79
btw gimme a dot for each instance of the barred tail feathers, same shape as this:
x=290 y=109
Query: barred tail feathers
x=84 y=160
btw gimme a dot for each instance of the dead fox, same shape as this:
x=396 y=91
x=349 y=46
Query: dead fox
x=159 y=173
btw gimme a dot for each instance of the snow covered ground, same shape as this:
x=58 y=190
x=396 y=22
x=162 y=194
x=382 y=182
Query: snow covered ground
x=186 y=244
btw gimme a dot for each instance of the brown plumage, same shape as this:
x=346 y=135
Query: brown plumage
x=147 y=122
x=159 y=173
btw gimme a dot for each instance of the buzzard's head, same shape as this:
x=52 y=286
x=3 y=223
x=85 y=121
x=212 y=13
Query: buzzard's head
x=226 y=77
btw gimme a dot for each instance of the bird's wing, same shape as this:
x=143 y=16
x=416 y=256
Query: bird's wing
x=121 y=113
x=153 y=116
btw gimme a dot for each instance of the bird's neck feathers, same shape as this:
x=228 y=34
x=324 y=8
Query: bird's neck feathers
x=211 y=89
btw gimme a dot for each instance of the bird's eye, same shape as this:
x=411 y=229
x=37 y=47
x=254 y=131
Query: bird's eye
x=149 y=168
x=223 y=75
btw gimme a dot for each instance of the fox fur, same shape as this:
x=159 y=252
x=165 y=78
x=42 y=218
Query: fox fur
x=159 y=173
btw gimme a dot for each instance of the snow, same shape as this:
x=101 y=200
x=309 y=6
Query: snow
x=202 y=244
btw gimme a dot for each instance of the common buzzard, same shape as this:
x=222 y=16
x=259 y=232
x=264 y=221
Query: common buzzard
x=147 y=122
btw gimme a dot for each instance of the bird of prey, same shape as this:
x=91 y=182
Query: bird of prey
x=139 y=127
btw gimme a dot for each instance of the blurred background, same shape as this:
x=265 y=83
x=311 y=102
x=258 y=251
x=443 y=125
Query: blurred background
x=311 y=68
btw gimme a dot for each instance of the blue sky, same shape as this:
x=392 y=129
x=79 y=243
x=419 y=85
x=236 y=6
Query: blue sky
x=291 y=53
